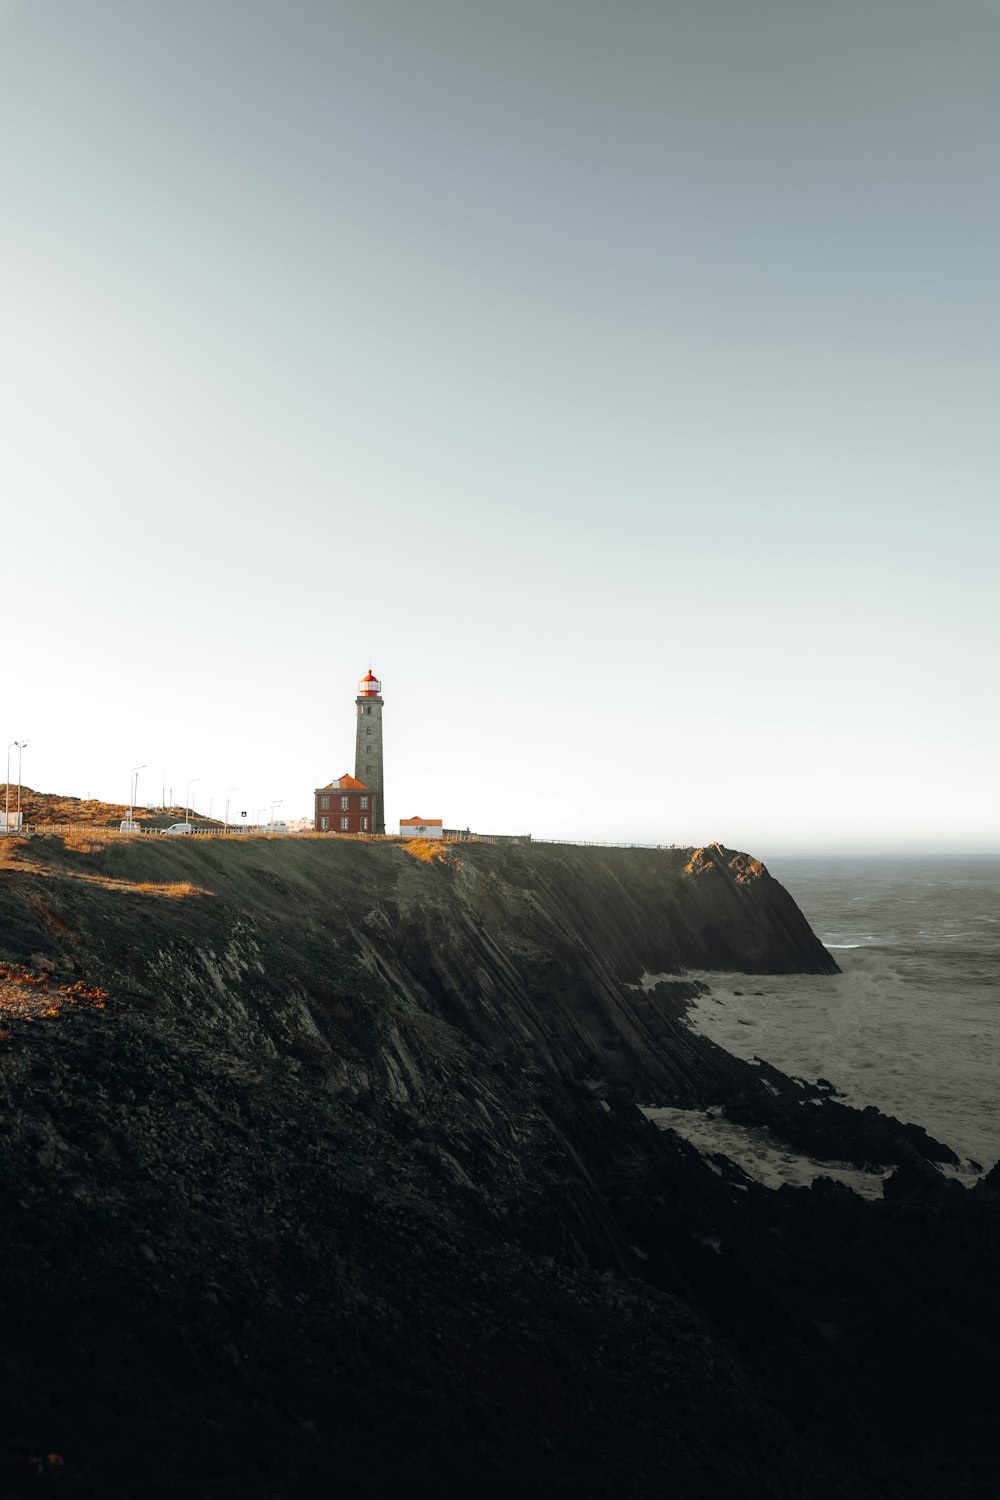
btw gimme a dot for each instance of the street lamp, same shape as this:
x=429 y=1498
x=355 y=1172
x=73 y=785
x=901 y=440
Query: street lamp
x=187 y=796
x=19 y=746
x=133 y=791
x=259 y=811
x=228 y=790
x=19 y=749
x=6 y=806
x=274 y=804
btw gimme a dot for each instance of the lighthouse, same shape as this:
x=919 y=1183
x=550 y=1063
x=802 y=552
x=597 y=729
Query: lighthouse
x=368 y=745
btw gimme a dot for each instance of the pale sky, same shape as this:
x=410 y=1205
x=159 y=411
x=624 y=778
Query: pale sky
x=621 y=381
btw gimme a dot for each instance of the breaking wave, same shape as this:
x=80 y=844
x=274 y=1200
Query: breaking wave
x=909 y=1025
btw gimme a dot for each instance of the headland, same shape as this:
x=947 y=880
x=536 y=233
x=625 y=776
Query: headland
x=326 y=1170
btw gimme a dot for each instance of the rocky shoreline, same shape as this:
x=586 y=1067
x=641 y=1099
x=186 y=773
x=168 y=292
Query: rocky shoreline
x=324 y=1171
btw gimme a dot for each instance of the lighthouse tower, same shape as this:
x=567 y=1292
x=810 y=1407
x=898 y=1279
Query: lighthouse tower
x=368 y=746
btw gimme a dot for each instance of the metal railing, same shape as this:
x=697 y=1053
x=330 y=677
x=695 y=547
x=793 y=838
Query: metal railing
x=201 y=830
x=608 y=844
x=237 y=831
x=263 y=830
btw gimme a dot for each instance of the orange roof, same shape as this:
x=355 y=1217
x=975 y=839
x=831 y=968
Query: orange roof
x=424 y=822
x=345 y=783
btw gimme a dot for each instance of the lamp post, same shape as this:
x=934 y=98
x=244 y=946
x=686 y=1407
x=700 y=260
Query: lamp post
x=19 y=746
x=274 y=804
x=259 y=811
x=187 y=796
x=133 y=790
x=228 y=790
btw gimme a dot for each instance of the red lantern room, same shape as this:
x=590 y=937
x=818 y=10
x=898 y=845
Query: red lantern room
x=369 y=686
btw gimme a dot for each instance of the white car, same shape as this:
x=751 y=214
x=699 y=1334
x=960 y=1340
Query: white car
x=178 y=828
x=129 y=825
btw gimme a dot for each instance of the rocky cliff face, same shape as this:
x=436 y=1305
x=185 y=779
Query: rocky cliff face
x=324 y=1169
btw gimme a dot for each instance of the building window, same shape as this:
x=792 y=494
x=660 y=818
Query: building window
x=364 y=825
x=368 y=729
x=324 y=802
x=345 y=803
x=345 y=823
x=364 y=802
x=324 y=824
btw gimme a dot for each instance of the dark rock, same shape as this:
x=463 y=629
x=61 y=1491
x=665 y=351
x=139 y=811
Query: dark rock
x=330 y=1177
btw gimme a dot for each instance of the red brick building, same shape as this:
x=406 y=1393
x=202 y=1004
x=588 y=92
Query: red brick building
x=345 y=806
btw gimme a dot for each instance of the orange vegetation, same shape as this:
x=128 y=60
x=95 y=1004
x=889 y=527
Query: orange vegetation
x=175 y=888
x=30 y=995
x=427 y=850
x=48 y=809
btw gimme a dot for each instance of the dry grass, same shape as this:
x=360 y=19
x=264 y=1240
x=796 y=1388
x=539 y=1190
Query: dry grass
x=54 y=807
x=175 y=888
x=29 y=855
x=27 y=995
x=44 y=808
x=86 y=843
x=428 y=850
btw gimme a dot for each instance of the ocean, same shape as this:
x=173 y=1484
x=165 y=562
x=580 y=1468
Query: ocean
x=911 y=1025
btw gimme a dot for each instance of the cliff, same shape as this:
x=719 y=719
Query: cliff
x=324 y=1170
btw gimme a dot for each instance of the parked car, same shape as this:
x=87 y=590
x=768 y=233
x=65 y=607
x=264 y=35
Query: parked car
x=178 y=828
x=129 y=825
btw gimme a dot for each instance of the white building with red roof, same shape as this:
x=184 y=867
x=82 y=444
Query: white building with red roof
x=420 y=828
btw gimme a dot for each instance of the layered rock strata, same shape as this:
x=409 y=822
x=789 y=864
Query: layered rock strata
x=324 y=1171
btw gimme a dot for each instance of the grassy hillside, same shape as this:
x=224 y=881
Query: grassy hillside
x=58 y=808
